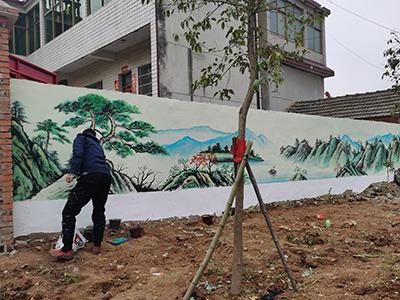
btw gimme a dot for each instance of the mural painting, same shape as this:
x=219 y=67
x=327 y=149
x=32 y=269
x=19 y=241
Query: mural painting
x=148 y=153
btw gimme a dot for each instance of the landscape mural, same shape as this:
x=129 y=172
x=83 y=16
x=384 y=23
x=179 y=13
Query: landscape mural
x=166 y=145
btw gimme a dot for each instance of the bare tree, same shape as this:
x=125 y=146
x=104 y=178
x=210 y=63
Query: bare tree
x=144 y=179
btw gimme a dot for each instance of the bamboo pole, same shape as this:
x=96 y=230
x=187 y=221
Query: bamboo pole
x=269 y=223
x=221 y=225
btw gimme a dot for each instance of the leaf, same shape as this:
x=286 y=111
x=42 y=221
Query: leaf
x=256 y=84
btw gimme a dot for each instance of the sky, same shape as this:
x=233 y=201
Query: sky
x=368 y=41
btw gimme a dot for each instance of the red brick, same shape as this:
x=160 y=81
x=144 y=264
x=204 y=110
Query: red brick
x=6 y=147
x=5 y=103
x=4 y=178
x=7 y=172
x=7 y=219
x=7 y=188
x=7 y=207
x=5 y=135
x=5 y=166
x=5 y=156
x=7 y=231
x=5 y=142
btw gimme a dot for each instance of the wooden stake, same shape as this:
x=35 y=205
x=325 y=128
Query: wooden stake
x=269 y=223
x=221 y=225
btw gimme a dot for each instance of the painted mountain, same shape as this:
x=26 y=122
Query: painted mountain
x=386 y=139
x=348 y=140
x=33 y=168
x=199 y=133
x=188 y=146
x=352 y=158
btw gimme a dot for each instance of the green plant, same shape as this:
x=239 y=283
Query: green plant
x=392 y=67
x=389 y=165
x=71 y=278
x=114 y=121
x=48 y=130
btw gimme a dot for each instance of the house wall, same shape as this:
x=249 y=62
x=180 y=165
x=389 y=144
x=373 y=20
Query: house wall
x=106 y=25
x=184 y=148
x=107 y=71
x=298 y=85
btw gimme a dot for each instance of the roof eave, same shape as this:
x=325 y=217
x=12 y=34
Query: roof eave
x=310 y=66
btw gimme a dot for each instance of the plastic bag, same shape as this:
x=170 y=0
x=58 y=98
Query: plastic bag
x=78 y=242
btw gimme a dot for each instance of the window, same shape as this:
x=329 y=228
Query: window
x=126 y=82
x=96 y=4
x=63 y=82
x=60 y=15
x=25 y=36
x=286 y=20
x=97 y=85
x=314 y=36
x=144 y=80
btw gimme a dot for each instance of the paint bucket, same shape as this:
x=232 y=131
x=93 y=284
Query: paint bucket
x=136 y=232
x=208 y=219
x=115 y=224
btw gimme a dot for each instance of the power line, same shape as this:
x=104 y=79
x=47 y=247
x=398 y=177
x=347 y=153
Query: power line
x=364 y=18
x=355 y=53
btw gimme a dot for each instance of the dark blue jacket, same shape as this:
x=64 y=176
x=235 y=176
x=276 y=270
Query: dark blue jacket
x=88 y=156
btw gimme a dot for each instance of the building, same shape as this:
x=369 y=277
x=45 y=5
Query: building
x=124 y=45
x=382 y=106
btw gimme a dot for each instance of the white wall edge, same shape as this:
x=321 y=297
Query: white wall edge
x=45 y=216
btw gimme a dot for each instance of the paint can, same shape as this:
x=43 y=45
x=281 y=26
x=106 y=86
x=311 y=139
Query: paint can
x=115 y=224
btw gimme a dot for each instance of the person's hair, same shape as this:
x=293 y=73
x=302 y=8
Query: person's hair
x=89 y=131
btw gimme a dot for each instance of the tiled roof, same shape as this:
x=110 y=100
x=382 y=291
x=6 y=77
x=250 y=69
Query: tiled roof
x=357 y=106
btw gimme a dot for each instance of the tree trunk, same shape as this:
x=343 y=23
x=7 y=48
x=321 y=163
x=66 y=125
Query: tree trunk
x=111 y=134
x=47 y=142
x=237 y=264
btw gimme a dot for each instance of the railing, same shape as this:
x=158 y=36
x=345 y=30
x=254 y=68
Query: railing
x=22 y=69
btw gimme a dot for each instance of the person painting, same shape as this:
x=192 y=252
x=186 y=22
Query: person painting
x=89 y=166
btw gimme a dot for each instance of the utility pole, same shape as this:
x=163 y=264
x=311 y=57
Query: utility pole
x=263 y=43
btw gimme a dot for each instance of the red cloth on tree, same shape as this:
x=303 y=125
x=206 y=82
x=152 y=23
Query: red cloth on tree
x=238 y=148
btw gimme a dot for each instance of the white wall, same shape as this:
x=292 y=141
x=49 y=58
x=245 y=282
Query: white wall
x=29 y=216
x=298 y=147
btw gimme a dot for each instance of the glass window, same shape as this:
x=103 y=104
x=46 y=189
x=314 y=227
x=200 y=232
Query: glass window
x=314 y=37
x=20 y=41
x=97 y=85
x=286 y=20
x=47 y=5
x=145 y=80
x=97 y=4
x=273 y=21
x=61 y=15
x=49 y=26
x=67 y=13
x=126 y=82
x=25 y=36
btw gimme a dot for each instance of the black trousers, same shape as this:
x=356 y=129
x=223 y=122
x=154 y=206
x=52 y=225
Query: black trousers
x=93 y=187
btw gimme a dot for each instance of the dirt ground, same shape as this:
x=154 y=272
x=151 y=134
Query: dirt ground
x=358 y=257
